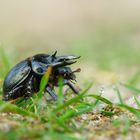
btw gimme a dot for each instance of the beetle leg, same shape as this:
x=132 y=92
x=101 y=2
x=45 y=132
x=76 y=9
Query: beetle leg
x=75 y=90
x=51 y=93
x=28 y=89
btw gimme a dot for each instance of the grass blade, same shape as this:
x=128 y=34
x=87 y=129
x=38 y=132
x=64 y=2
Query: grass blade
x=8 y=107
x=136 y=90
x=77 y=111
x=107 y=113
x=44 y=81
x=73 y=100
x=137 y=102
x=135 y=111
x=100 y=98
x=119 y=95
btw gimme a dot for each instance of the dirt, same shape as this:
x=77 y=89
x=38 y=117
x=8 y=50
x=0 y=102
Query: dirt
x=97 y=126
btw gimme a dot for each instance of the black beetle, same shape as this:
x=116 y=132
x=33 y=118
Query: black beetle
x=24 y=79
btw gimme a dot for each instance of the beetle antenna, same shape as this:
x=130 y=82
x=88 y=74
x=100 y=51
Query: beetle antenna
x=77 y=70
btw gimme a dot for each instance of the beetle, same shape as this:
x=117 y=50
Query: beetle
x=24 y=79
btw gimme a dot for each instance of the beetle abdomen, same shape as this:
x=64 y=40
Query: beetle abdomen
x=17 y=75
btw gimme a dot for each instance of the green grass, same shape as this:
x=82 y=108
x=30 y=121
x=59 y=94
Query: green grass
x=38 y=119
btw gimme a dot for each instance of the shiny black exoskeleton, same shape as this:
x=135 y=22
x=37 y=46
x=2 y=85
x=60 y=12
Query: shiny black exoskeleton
x=24 y=79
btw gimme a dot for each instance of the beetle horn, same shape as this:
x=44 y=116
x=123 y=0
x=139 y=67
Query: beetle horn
x=60 y=64
x=67 y=58
x=54 y=54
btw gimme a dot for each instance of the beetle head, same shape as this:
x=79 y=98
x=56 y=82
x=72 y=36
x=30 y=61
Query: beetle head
x=67 y=73
x=43 y=61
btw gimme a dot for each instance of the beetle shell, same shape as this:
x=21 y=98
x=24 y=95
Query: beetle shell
x=17 y=75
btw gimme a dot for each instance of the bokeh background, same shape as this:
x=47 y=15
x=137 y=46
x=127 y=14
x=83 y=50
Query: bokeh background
x=105 y=33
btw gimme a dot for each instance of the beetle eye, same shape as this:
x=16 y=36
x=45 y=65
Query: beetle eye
x=62 y=71
x=40 y=70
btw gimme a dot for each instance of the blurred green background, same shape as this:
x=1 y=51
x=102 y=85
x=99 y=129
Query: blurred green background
x=105 y=33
